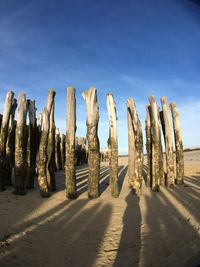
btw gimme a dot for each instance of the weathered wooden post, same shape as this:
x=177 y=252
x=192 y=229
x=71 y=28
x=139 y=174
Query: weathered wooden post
x=42 y=154
x=92 y=107
x=113 y=146
x=51 y=152
x=3 y=137
x=178 y=144
x=168 y=143
x=71 y=192
x=57 y=151
x=148 y=146
x=155 y=145
x=10 y=144
x=20 y=146
x=161 y=160
x=31 y=144
x=135 y=143
x=62 y=150
x=1 y=116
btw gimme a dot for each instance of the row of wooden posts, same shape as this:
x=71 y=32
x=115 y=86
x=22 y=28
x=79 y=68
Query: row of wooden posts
x=39 y=149
x=161 y=169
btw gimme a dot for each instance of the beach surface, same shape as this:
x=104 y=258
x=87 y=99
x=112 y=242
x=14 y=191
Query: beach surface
x=159 y=229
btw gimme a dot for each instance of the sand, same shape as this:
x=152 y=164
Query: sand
x=160 y=229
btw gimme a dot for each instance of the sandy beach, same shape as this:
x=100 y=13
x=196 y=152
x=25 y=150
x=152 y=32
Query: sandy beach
x=159 y=229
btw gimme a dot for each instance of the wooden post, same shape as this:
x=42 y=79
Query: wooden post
x=51 y=152
x=168 y=143
x=155 y=145
x=178 y=144
x=1 y=116
x=3 y=137
x=161 y=160
x=71 y=192
x=135 y=141
x=57 y=151
x=42 y=155
x=148 y=146
x=113 y=146
x=62 y=150
x=92 y=107
x=20 y=146
x=10 y=144
x=31 y=144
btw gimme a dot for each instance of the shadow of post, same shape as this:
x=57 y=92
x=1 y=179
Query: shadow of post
x=129 y=247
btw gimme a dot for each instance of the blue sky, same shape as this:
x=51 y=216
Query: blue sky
x=130 y=48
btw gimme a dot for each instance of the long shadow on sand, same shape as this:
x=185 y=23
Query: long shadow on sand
x=168 y=231
x=68 y=235
x=130 y=243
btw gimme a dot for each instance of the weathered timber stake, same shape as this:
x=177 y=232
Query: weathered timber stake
x=92 y=107
x=168 y=143
x=155 y=145
x=51 y=152
x=161 y=160
x=42 y=155
x=62 y=150
x=10 y=144
x=135 y=141
x=148 y=146
x=1 y=116
x=113 y=146
x=3 y=137
x=20 y=146
x=31 y=144
x=178 y=144
x=70 y=178
x=57 y=151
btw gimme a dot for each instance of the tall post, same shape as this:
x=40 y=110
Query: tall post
x=10 y=144
x=43 y=147
x=168 y=142
x=135 y=141
x=3 y=137
x=113 y=146
x=155 y=145
x=51 y=151
x=31 y=144
x=92 y=107
x=20 y=146
x=178 y=144
x=148 y=146
x=70 y=178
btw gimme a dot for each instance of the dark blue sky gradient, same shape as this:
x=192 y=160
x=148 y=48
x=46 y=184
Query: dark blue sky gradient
x=131 y=48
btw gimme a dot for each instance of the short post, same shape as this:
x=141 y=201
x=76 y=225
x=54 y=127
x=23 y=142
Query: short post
x=57 y=151
x=161 y=160
x=62 y=150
